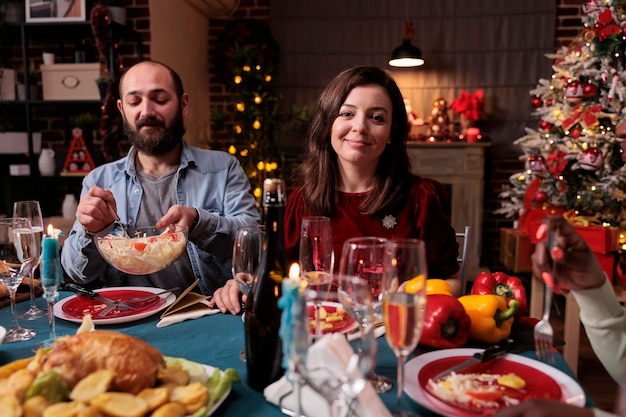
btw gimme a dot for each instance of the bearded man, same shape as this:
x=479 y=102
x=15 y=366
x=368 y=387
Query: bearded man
x=162 y=181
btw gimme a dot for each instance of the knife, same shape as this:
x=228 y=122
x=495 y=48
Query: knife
x=479 y=357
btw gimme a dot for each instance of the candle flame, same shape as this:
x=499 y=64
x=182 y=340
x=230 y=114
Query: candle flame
x=294 y=270
x=50 y=230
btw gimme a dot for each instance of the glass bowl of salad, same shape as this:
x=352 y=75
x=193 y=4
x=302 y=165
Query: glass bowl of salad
x=142 y=250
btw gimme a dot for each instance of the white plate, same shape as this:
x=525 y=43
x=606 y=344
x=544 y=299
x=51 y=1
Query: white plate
x=571 y=392
x=3 y=332
x=168 y=297
x=329 y=305
x=209 y=371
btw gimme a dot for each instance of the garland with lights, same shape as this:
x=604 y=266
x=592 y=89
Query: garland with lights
x=573 y=160
x=246 y=65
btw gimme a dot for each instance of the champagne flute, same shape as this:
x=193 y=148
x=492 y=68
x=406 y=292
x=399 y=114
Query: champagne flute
x=18 y=256
x=317 y=260
x=247 y=251
x=405 y=259
x=360 y=274
x=32 y=211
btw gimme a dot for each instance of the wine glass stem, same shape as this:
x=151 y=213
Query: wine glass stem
x=367 y=350
x=14 y=323
x=31 y=286
x=51 y=321
x=318 y=322
x=400 y=384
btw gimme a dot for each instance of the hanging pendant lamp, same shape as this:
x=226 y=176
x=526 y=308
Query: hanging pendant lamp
x=407 y=54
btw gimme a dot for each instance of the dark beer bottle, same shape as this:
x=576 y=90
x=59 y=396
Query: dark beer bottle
x=262 y=321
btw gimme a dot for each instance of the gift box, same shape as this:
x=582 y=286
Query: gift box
x=600 y=239
x=608 y=263
x=515 y=250
x=530 y=221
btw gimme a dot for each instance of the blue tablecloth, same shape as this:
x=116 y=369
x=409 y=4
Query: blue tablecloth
x=213 y=340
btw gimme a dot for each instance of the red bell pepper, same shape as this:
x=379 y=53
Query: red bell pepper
x=446 y=324
x=507 y=287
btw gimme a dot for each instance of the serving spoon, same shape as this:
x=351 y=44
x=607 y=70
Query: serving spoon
x=117 y=220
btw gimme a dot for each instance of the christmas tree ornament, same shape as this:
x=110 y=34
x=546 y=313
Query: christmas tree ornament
x=536 y=164
x=574 y=91
x=439 y=120
x=536 y=102
x=545 y=126
x=574 y=133
x=591 y=159
x=590 y=90
x=540 y=197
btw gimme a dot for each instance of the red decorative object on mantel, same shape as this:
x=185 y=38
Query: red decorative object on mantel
x=78 y=160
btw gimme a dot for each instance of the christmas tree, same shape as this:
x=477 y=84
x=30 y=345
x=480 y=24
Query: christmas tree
x=574 y=162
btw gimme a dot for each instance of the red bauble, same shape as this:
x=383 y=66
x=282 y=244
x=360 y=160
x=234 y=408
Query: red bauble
x=549 y=102
x=574 y=91
x=540 y=197
x=590 y=90
x=591 y=159
x=545 y=126
x=536 y=102
x=574 y=133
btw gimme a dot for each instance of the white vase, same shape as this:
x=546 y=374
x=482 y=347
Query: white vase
x=46 y=163
x=118 y=14
x=69 y=206
x=48 y=58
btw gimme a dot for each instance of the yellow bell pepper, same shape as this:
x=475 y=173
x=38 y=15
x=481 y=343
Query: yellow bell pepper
x=491 y=318
x=433 y=286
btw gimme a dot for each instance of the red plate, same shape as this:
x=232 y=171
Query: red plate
x=538 y=384
x=542 y=380
x=342 y=326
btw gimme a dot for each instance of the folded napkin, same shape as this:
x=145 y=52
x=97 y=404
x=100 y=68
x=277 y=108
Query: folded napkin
x=333 y=353
x=189 y=305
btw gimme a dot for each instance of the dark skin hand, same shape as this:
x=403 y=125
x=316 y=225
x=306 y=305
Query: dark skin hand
x=544 y=408
x=578 y=267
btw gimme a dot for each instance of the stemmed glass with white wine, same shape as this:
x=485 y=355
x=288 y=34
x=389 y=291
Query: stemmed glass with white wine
x=32 y=211
x=18 y=256
x=359 y=290
x=403 y=313
x=247 y=251
x=317 y=260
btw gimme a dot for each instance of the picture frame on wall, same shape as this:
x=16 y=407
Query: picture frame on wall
x=56 y=10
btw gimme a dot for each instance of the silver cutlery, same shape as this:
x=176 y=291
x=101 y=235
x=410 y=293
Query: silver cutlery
x=543 y=333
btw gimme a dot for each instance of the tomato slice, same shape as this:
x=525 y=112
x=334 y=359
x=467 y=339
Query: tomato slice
x=140 y=246
x=485 y=394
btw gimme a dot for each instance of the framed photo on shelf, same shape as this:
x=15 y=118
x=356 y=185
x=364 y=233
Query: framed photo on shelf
x=56 y=10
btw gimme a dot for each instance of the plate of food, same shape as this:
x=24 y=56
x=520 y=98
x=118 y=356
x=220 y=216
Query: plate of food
x=484 y=388
x=75 y=307
x=110 y=373
x=334 y=318
x=3 y=332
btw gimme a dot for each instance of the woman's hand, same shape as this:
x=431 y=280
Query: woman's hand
x=227 y=298
x=544 y=408
x=578 y=267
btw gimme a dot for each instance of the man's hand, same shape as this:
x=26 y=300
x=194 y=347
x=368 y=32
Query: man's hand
x=178 y=215
x=94 y=209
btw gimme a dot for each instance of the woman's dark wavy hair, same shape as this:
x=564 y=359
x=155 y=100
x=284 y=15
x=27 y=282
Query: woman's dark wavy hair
x=318 y=175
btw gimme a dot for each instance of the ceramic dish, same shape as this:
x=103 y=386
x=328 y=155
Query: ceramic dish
x=542 y=379
x=345 y=325
x=75 y=307
x=3 y=332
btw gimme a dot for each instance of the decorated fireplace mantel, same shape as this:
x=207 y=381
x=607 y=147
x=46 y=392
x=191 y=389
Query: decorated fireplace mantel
x=461 y=167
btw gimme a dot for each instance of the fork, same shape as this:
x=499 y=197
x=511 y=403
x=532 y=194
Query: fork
x=127 y=303
x=543 y=332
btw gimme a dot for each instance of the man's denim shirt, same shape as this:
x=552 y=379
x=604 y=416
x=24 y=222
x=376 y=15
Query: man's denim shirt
x=211 y=181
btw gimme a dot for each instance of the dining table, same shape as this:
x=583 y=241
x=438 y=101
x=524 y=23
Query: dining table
x=216 y=340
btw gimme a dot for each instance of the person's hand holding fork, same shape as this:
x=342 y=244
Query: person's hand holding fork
x=578 y=266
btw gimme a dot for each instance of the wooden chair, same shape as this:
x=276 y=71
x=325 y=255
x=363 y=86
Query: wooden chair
x=571 y=325
x=465 y=237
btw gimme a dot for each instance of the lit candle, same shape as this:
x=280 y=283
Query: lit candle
x=49 y=255
x=472 y=134
x=290 y=303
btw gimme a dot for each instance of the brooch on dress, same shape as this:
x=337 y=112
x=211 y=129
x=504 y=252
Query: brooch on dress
x=389 y=221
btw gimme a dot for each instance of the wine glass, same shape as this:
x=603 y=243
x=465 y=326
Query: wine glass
x=405 y=259
x=32 y=211
x=247 y=251
x=18 y=256
x=317 y=260
x=360 y=274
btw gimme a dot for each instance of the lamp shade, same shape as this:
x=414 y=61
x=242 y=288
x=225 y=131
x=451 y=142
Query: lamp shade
x=406 y=55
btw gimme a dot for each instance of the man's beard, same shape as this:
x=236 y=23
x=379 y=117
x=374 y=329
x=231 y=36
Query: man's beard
x=159 y=140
